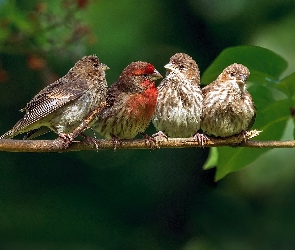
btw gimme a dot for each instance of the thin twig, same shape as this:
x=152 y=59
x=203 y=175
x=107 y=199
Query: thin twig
x=54 y=145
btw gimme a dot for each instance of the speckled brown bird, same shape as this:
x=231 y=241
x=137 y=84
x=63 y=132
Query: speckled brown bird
x=179 y=105
x=228 y=108
x=62 y=105
x=131 y=102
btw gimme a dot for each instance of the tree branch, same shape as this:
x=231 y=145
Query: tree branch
x=56 y=145
x=59 y=145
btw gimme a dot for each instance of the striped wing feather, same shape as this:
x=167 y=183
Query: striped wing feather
x=50 y=99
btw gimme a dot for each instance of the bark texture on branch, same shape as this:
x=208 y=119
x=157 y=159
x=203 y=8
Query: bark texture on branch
x=57 y=145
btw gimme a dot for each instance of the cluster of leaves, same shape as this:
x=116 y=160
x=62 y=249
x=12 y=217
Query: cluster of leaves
x=273 y=98
x=42 y=30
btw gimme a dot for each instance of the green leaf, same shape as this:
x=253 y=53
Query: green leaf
x=272 y=120
x=260 y=61
x=212 y=159
x=287 y=86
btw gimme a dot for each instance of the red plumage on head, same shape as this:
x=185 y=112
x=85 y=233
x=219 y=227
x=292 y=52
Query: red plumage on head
x=149 y=69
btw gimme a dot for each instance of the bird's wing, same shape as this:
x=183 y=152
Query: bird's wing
x=51 y=98
x=255 y=111
x=112 y=95
x=205 y=91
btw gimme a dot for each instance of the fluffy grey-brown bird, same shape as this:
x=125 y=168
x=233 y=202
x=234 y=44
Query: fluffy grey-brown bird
x=179 y=104
x=62 y=105
x=228 y=108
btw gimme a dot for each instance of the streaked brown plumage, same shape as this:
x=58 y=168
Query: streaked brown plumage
x=62 y=105
x=131 y=102
x=228 y=108
x=179 y=105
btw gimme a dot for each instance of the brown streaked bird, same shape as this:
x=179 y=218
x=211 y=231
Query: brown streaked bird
x=131 y=102
x=228 y=108
x=62 y=105
x=179 y=105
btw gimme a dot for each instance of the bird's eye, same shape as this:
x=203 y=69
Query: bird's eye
x=232 y=74
x=145 y=75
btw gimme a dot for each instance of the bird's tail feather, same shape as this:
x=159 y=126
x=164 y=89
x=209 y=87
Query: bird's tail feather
x=7 y=135
x=36 y=132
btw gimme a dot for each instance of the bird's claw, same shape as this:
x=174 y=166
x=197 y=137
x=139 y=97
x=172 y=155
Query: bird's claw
x=67 y=139
x=91 y=140
x=160 y=136
x=116 y=141
x=149 y=140
x=243 y=135
x=201 y=139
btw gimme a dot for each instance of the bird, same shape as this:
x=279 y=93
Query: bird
x=179 y=105
x=130 y=102
x=228 y=108
x=62 y=105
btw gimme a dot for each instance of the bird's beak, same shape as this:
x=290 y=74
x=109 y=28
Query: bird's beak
x=169 y=67
x=105 y=67
x=156 y=75
x=241 y=79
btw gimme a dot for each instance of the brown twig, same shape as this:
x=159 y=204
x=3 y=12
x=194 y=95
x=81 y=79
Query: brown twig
x=54 y=145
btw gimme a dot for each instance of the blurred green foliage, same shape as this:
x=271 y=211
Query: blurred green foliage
x=136 y=199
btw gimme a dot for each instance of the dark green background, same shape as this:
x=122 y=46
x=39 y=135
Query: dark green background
x=137 y=199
